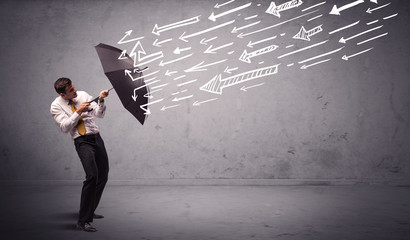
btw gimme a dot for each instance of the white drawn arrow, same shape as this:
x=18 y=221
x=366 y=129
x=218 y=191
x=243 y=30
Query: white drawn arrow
x=147 y=111
x=157 y=30
x=184 y=38
x=134 y=96
x=179 y=50
x=201 y=67
x=251 y=44
x=236 y=29
x=128 y=33
x=347 y=57
x=123 y=55
x=223 y=4
x=373 y=1
x=321 y=55
x=275 y=10
x=344 y=40
x=213 y=50
x=246 y=57
x=216 y=84
x=142 y=55
x=246 y=88
x=336 y=10
x=377 y=8
x=213 y=17
x=158 y=44
x=165 y=108
x=176 y=99
x=162 y=63
x=305 y=35
x=198 y=103
x=229 y=70
x=169 y=73
x=205 y=41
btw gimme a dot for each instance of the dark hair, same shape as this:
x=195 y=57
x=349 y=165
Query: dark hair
x=61 y=84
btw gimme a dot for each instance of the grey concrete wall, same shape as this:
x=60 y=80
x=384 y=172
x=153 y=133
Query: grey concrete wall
x=334 y=120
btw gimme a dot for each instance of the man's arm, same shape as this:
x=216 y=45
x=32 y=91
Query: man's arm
x=100 y=107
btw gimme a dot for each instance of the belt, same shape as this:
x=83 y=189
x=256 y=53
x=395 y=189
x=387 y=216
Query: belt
x=87 y=136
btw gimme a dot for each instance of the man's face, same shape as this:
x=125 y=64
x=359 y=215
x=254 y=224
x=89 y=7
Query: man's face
x=70 y=93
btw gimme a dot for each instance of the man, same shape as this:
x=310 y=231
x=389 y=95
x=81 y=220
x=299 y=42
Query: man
x=74 y=113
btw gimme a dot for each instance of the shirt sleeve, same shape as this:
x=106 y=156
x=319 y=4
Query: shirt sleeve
x=64 y=122
x=98 y=108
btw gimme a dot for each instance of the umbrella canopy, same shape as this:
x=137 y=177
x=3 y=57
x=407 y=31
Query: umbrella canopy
x=132 y=92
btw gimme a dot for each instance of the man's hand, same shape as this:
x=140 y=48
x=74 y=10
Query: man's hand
x=103 y=94
x=83 y=108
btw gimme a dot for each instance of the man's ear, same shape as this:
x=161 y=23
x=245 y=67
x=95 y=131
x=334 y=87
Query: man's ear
x=62 y=95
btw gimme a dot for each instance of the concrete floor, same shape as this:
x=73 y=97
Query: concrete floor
x=49 y=211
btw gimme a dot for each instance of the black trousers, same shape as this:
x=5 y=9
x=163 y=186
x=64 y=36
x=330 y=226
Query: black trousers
x=93 y=156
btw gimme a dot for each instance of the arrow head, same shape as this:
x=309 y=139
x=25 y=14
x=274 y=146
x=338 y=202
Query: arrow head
x=245 y=57
x=177 y=51
x=335 y=10
x=345 y=58
x=196 y=103
x=156 y=30
x=302 y=34
x=209 y=50
x=369 y=11
x=126 y=71
x=342 y=40
x=212 y=17
x=134 y=97
x=303 y=67
x=243 y=89
x=183 y=38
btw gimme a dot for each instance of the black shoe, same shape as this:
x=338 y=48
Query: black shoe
x=97 y=216
x=86 y=227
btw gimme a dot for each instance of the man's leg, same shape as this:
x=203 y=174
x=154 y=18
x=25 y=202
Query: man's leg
x=86 y=151
x=101 y=161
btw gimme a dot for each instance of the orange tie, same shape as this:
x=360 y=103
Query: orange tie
x=80 y=125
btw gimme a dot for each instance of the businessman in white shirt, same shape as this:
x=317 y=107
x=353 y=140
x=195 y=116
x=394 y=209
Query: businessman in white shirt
x=74 y=112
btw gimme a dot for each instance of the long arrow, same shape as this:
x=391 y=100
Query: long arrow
x=158 y=44
x=344 y=40
x=305 y=35
x=377 y=8
x=222 y=4
x=198 y=103
x=128 y=33
x=165 y=108
x=217 y=83
x=184 y=38
x=213 y=17
x=201 y=67
x=213 y=50
x=347 y=57
x=246 y=88
x=250 y=44
x=246 y=57
x=336 y=10
x=157 y=30
x=236 y=29
x=275 y=10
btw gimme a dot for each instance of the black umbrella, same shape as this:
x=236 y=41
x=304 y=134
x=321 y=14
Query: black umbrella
x=119 y=70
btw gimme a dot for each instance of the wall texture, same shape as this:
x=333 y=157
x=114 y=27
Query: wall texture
x=335 y=119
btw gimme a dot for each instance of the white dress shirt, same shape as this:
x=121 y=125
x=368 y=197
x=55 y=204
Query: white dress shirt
x=67 y=120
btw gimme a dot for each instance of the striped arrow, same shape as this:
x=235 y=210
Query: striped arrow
x=216 y=84
x=275 y=10
x=336 y=10
x=305 y=35
x=246 y=57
